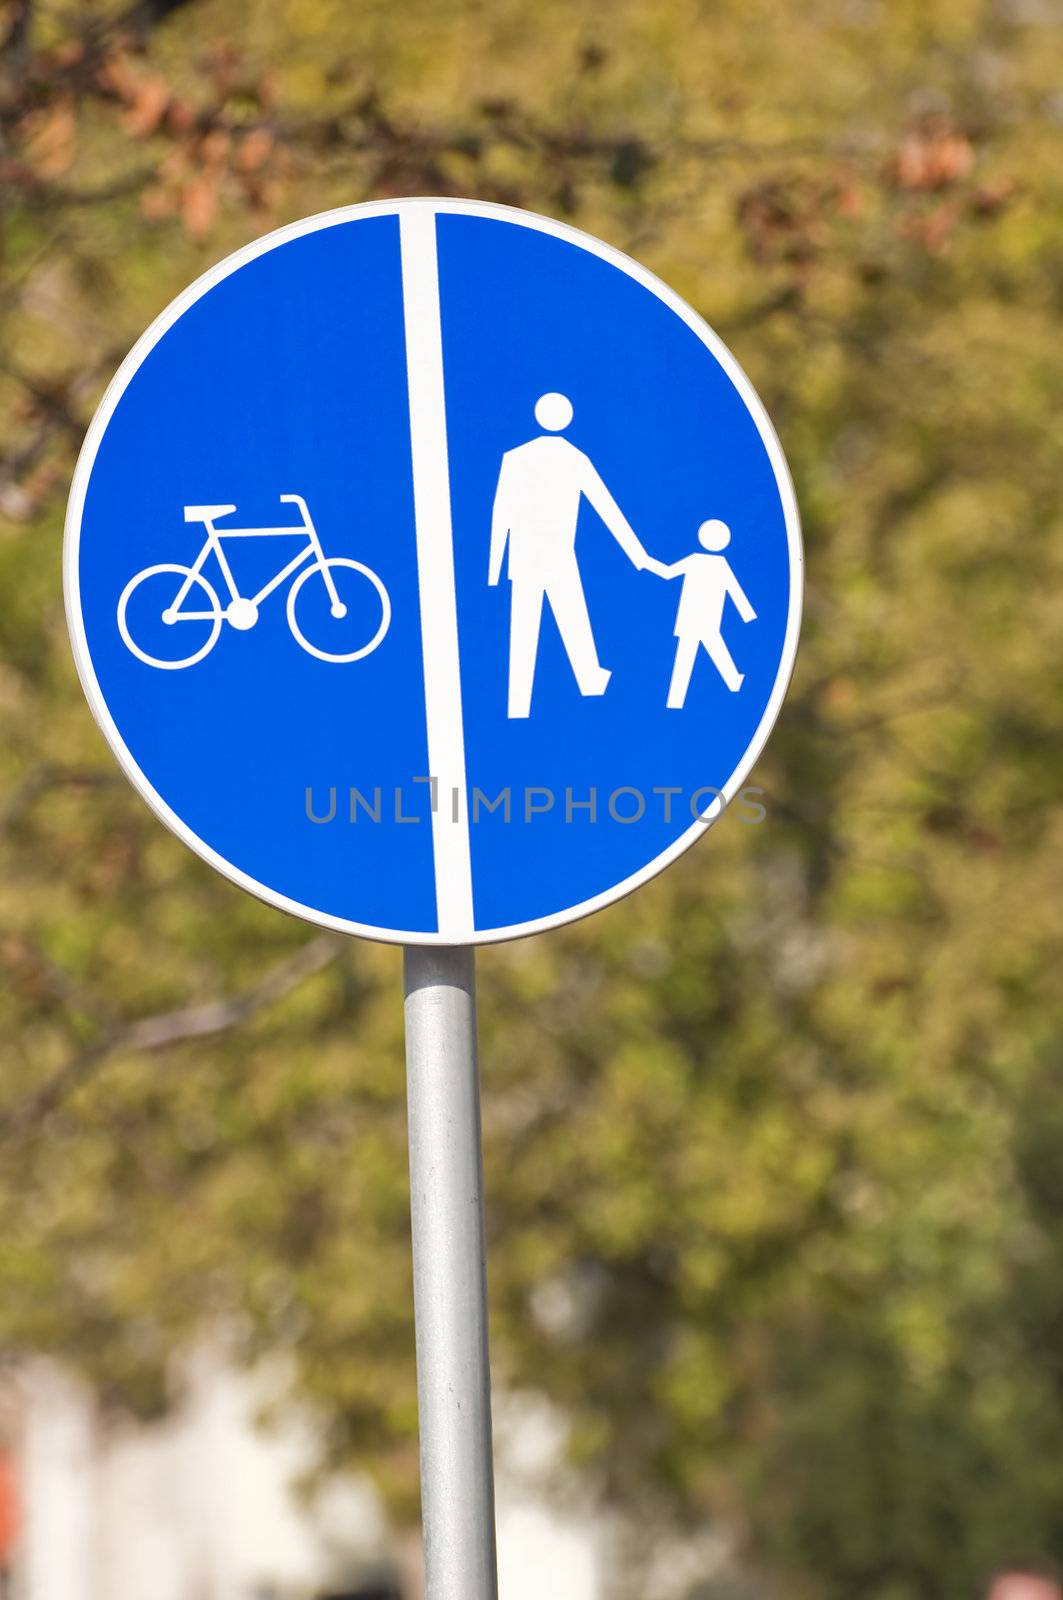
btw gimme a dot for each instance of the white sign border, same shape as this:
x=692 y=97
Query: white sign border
x=147 y=342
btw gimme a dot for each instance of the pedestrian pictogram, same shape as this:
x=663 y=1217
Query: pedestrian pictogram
x=708 y=582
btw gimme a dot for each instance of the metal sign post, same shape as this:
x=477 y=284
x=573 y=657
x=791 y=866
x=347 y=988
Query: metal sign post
x=450 y=1302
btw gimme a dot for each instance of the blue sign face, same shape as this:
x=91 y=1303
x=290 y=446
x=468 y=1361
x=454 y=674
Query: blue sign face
x=433 y=571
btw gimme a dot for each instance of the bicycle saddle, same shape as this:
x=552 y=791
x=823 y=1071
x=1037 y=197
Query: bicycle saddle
x=206 y=513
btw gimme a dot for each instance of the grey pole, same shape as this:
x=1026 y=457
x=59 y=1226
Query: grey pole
x=449 y=1277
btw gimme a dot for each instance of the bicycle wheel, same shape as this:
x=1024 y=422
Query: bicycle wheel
x=362 y=622
x=146 y=604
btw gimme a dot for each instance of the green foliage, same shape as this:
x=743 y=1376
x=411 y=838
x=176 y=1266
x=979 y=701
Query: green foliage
x=773 y=1150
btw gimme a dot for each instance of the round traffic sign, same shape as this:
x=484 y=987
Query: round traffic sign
x=433 y=571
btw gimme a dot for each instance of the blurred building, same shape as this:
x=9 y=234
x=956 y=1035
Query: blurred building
x=206 y=1504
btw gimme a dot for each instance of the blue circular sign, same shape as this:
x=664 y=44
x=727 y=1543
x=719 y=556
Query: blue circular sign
x=433 y=571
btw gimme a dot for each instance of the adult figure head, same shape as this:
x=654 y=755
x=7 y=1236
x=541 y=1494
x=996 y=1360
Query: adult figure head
x=714 y=535
x=1026 y=1580
x=553 y=412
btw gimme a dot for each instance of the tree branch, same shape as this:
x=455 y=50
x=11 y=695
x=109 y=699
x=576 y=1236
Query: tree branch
x=174 y=1027
x=26 y=794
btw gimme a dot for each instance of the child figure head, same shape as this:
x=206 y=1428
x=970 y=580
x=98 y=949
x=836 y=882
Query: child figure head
x=714 y=535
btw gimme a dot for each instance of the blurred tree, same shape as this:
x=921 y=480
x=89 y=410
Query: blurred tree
x=773 y=1150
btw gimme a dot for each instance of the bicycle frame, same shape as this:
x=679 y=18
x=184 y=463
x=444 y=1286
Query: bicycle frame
x=213 y=544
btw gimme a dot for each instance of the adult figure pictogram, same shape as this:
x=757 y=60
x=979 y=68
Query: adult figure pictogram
x=536 y=509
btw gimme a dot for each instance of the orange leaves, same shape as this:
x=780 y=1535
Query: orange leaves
x=193 y=178
x=146 y=96
x=254 y=150
x=148 y=107
x=923 y=192
x=210 y=150
x=787 y=219
x=150 y=104
x=935 y=162
x=50 y=138
x=932 y=229
x=933 y=157
x=199 y=205
x=771 y=215
x=118 y=77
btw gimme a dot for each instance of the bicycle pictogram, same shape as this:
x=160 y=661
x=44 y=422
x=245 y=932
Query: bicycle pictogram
x=350 y=588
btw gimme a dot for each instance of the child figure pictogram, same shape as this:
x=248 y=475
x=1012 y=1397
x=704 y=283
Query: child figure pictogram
x=707 y=581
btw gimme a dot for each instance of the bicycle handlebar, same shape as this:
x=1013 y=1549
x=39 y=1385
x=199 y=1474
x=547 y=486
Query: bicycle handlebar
x=211 y=513
x=297 y=500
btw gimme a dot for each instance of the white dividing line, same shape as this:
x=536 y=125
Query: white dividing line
x=435 y=569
